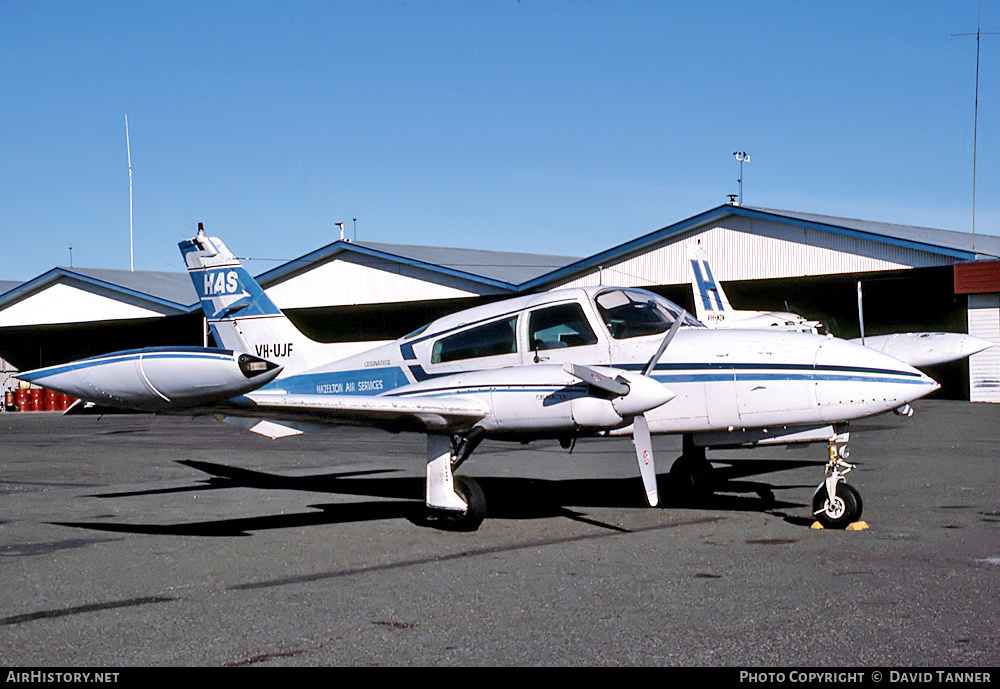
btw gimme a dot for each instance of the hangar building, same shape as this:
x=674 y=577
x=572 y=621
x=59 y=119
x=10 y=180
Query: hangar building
x=913 y=279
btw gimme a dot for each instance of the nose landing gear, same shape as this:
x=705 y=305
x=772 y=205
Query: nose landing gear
x=835 y=504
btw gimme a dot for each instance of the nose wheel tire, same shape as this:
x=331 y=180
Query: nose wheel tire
x=844 y=509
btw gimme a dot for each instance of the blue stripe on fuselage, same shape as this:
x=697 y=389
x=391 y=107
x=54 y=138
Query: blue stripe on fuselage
x=366 y=381
x=381 y=381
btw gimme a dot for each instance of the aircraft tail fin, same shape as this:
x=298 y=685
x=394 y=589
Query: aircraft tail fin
x=711 y=303
x=240 y=314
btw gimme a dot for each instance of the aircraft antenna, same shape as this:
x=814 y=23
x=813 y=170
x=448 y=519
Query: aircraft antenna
x=128 y=152
x=975 y=122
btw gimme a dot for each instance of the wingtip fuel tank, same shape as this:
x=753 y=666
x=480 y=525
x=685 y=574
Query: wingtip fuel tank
x=158 y=378
x=926 y=349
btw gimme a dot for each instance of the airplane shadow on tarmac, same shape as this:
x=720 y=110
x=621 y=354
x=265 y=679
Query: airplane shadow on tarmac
x=507 y=498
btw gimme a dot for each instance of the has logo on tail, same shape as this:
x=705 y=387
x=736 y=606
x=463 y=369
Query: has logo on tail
x=243 y=318
x=222 y=291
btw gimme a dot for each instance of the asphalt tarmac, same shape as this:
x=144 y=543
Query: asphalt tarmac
x=157 y=541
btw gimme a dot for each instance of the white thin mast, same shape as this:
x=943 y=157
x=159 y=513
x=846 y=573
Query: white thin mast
x=975 y=125
x=128 y=152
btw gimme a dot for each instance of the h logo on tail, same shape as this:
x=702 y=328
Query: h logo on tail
x=705 y=284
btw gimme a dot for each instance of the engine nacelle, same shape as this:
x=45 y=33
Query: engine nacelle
x=546 y=398
x=158 y=378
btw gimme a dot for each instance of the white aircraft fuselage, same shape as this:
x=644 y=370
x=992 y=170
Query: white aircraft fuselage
x=721 y=379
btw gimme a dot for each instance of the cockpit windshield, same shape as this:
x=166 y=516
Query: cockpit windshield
x=634 y=313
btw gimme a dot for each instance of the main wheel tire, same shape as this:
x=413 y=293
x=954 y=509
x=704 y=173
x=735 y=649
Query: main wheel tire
x=837 y=514
x=692 y=479
x=470 y=491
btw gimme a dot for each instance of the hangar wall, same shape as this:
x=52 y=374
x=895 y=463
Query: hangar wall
x=742 y=248
x=364 y=280
x=63 y=303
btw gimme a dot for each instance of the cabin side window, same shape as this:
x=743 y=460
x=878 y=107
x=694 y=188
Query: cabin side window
x=559 y=326
x=491 y=339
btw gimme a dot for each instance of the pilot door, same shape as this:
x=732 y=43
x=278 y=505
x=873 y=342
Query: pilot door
x=560 y=333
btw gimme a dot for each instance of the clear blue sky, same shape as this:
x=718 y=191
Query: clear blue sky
x=532 y=125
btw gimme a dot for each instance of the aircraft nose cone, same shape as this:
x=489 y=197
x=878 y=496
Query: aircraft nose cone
x=921 y=383
x=933 y=384
x=644 y=394
x=856 y=380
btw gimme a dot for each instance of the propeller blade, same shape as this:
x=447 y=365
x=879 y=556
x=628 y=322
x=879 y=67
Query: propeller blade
x=588 y=375
x=644 y=453
x=663 y=345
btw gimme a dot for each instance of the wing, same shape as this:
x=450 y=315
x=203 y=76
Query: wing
x=276 y=415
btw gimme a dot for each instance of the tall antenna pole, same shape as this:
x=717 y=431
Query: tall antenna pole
x=128 y=151
x=743 y=157
x=975 y=124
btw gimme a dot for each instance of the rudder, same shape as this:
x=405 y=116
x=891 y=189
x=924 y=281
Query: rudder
x=240 y=314
x=710 y=301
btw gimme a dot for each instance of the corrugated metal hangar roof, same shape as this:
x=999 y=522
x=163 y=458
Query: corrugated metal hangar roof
x=506 y=267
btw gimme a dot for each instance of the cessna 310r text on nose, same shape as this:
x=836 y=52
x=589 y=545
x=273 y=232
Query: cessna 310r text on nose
x=594 y=361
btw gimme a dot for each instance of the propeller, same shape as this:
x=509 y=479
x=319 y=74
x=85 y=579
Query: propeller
x=616 y=386
x=663 y=345
x=644 y=453
x=651 y=395
x=640 y=426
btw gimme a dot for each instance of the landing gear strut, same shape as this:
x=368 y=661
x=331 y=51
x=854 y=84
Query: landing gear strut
x=836 y=504
x=691 y=473
x=456 y=504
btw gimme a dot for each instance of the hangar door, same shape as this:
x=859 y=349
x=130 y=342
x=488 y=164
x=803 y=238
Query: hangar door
x=984 y=368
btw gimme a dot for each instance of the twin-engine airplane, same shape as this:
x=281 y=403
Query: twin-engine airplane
x=916 y=349
x=595 y=361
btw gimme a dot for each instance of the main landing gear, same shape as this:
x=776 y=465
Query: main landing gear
x=836 y=504
x=691 y=473
x=453 y=503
